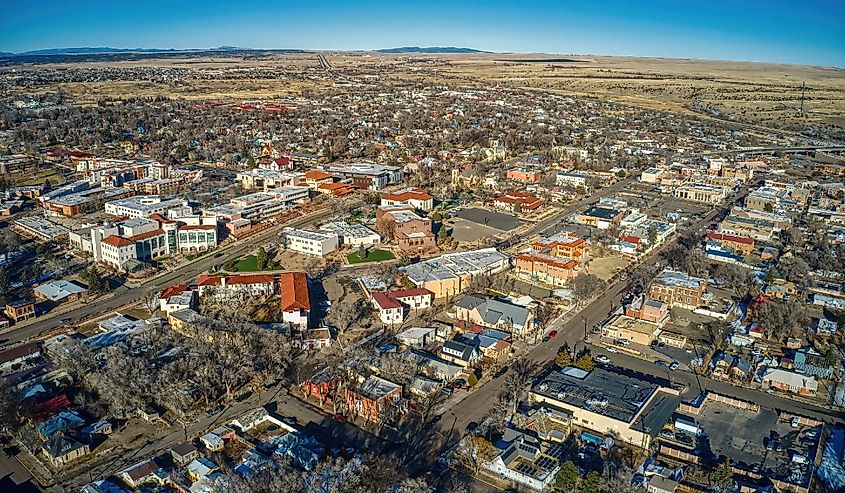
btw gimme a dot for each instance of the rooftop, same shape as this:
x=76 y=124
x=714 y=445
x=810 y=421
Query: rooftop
x=457 y=264
x=678 y=279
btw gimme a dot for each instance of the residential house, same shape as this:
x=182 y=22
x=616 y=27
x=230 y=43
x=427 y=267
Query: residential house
x=809 y=362
x=493 y=313
x=61 y=450
x=201 y=467
x=373 y=399
x=19 y=354
x=295 y=301
x=184 y=453
x=394 y=305
x=141 y=473
x=416 y=337
x=527 y=462
x=177 y=297
x=460 y=353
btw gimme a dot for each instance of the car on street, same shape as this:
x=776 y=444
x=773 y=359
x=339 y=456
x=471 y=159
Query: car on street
x=546 y=338
x=502 y=371
x=66 y=320
x=660 y=363
x=459 y=383
x=214 y=410
x=552 y=334
x=471 y=426
x=622 y=342
x=339 y=418
x=612 y=350
x=674 y=365
x=448 y=391
x=603 y=359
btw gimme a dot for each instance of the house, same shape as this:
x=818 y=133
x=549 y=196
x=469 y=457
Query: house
x=141 y=473
x=394 y=305
x=20 y=310
x=416 y=337
x=19 y=354
x=654 y=311
x=678 y=289
x=322 y=386
x=788 y=381
x=525 y=462
x=61 y=450
x=5 y=323
x=60 y=291
x=372 y=399
x=184 y=453
x=809 y=362
x=460 y=353
x=212 y=442
x=295 y=301
x=311 y=242
x=414 y=197
x=60 y=423
x=825 y=327
x=661 y=484
x=517 y=202
x=496 y=314
x=311 y=339
x=199 y=468
x=177 y=297
x=600 y=217
x=740 y=244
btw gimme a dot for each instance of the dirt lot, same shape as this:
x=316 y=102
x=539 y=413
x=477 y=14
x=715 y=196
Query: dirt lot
x=605 y=267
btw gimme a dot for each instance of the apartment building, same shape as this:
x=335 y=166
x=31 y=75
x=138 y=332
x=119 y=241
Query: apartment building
x=678 y=289
x=366 y=176
x=452 y=273
x=546 y=269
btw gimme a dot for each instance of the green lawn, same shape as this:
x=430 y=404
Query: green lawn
x=250 y=264
x=372 y=256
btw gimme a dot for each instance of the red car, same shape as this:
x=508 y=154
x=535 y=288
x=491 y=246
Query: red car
x=552 y=334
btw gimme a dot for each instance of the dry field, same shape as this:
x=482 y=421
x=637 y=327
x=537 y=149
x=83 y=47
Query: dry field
x=753 y=93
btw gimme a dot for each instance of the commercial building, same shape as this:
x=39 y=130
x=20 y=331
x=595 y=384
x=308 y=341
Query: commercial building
x=566 y=244
x=372 y=399
x=740 y=244
x=412 y=233
x=414 y=197
x=40 y=229
x=609 y=402
x=525 y=174
x=452 y=273
x=78 y=198
x=258 y=206
x=366 y=176
x=572 y=179
x=708 y=194
x=60 y=291
x=310 y=242
x=678 y=289
x=545 y=269
x=600 y=217
x=651 y=175
x=758 y=229
x=141 y=206
x=638 y=331
x=352 y=235
x=393 y=306
x=20 y=310
x=266 y=180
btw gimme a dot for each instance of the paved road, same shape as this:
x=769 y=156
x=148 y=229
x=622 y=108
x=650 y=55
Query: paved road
x=475 y=405
x=125 y=295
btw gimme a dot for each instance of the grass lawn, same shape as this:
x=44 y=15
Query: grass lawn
x=372 y=256
x=250 y=264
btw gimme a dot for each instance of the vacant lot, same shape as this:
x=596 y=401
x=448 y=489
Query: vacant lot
x=496 y=220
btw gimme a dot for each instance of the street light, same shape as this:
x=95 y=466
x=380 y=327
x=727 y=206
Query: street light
x=585 y=327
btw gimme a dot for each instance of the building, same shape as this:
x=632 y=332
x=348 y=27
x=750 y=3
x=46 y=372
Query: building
x=60 y=291
x=788 y=381
x=600 y=217
x=314 y=178
x=295 y=302
x=417 y=337
x=630 y=329
x=566 y=244
x=651 y=175
x=40 y=229
x=517 y=202
x=313 y=243
x=366 y=176
x=259 y=206
x=352 y=235
x=525 y=174
x=411 y=233
x=654 y=311
x=141 y=206
x=414 y=197
x=460 y=353
x=61 y=450
x=266 y=180
x=739 y=244
x=177 y=297
x=77 y=198
x=20 y=310
x=609 y=402
x=678 y=289
x=452 y=273
x=527 y=461
x=373 y=399
x=546 y=269
x=496 y=314
x=758 y=229
x=569 y=179
x=239 y=286
x=184 y=453
x=393 y=306
x=708 y=194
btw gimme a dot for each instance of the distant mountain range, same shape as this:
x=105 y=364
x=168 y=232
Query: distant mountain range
x=430 y=49
x=105 y=49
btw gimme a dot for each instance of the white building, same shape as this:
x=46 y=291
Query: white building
x=311 y=242
x=145 y=206
x=352 y=235
x=572 y=179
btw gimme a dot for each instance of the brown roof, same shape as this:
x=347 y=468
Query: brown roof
x=317 y=175
x=118 y=241
x=295 y=291
x=148 y=234
x=19 y=351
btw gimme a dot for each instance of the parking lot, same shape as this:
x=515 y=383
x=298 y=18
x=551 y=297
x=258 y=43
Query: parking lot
x=492 y=219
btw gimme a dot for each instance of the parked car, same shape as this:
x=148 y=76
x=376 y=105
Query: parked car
x=502 y=371
x=447 y=390
x=674 y=366
x=459 y=383
x=215 y=410
x=339 y=418
x=612 y=349
x=603 y=359
x=660 y=363
x=553 y=334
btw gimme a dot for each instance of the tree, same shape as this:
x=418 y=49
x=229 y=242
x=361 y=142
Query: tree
x=517 y=382
x=592 y=483
x=652 y=235
x=261 y=258
x=564 y=356
x=585 y=286
x=96 y=280
x=721 y=478
x=151 y=301
x=566 y=479
x=473 y=451
x=585 y=362
x=472 y=380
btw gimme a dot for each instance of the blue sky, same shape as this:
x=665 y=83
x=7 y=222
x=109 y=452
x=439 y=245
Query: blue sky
x=796 y=31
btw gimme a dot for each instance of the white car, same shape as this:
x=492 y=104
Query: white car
x=612 y=350
x=603 y=359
